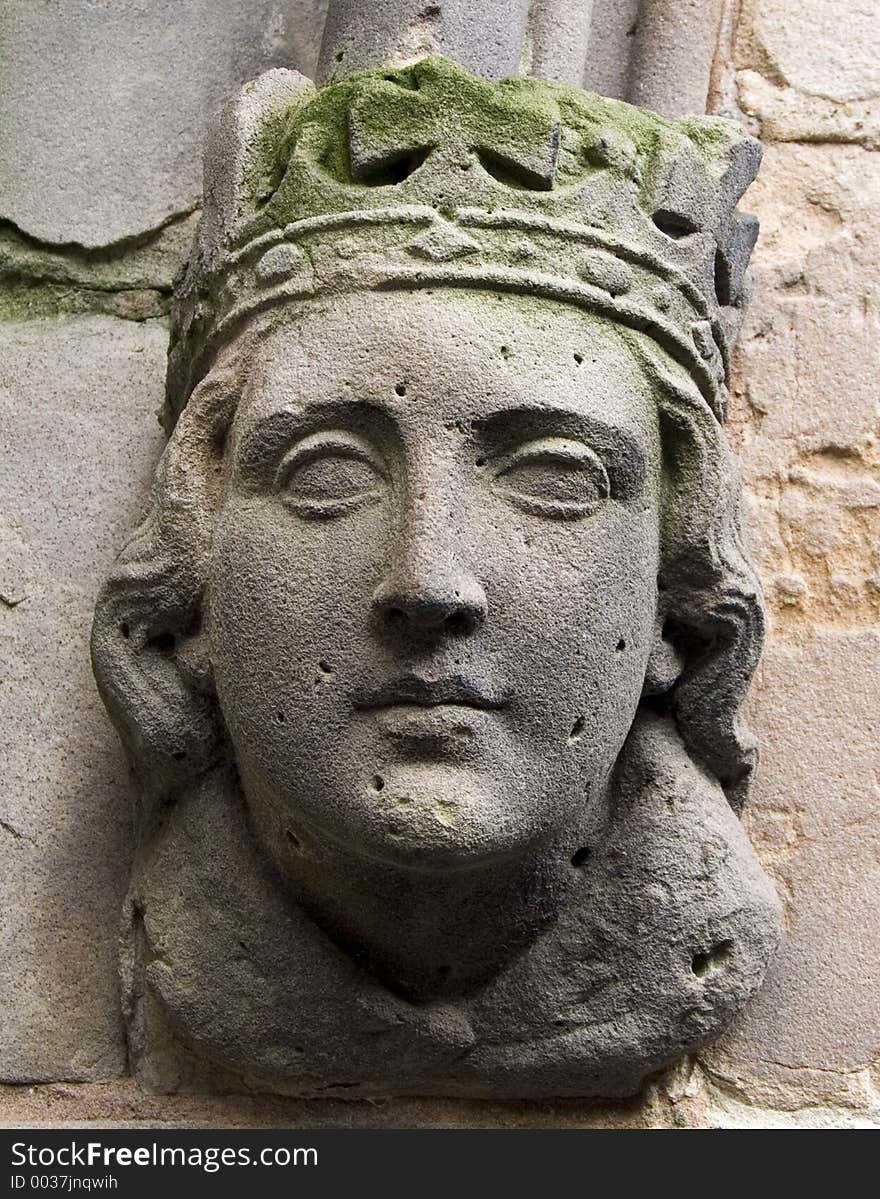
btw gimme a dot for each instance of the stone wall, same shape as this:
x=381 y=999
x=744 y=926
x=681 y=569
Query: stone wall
x=101 y=121
x=806 y=424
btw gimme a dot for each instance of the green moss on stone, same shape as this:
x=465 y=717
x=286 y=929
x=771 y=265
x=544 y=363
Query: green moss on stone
x=435 y=103
x=265 y=167
x=146 y=263
x=24 y=300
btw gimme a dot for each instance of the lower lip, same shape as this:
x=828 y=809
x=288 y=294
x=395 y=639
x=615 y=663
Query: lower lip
x=447 y=722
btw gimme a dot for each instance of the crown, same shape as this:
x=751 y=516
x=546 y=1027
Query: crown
x=426 y=176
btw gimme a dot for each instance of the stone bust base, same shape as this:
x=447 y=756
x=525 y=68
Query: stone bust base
x=669 y=929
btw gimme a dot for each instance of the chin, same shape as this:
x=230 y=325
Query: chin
x=432 y=818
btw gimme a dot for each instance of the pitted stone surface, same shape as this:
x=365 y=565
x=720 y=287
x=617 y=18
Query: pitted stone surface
x=559 y=37
x=80 y=440
x=808 y=431
x=674 y=45
x=609 y=49
x=104 y=106
x=414 y=651
x=397 y=32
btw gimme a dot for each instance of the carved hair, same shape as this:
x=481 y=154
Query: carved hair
x=148 y=647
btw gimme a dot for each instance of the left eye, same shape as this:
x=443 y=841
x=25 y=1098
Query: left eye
x=553 y=477
x=323 y=479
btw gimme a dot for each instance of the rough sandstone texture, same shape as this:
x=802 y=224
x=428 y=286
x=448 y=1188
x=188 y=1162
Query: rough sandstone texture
x=816 y=79
x=805 y=414
x=807 y=411
x=544 y=945
x=136 y=80
x=78 y=398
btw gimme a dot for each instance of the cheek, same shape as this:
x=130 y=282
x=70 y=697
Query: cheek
x=289 y=606
x=580 y=613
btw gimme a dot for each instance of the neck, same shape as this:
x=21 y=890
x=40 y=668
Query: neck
x=430 y=935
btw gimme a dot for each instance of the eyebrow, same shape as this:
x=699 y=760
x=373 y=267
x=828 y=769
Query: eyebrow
x=307 y=409
x=268 y=434
x=545 y=416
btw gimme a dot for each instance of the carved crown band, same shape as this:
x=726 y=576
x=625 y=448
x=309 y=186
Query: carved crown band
x=427 y=176
x=514 y=252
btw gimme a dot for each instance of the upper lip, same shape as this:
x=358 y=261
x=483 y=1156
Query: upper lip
x=426 y=693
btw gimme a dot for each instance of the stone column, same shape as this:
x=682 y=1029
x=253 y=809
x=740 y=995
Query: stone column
x=359 y=35
x=560 y=32
x=673 y=47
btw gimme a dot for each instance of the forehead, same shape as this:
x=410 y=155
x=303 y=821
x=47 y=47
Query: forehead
x=468 y=354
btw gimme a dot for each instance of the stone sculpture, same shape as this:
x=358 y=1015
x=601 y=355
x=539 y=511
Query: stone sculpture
x=430 y=651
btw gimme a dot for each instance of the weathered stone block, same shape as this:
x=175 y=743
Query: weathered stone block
x=813 y=1034
x=80 y=439
x=813 y=78
x=108 y=104
x=806 y=406
x=831 y=50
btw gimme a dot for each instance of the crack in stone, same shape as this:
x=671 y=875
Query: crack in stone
x=13 y=831
x=112 y=250
x=131 y=278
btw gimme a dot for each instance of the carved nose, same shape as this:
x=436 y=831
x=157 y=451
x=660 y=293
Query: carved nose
x=437 y=604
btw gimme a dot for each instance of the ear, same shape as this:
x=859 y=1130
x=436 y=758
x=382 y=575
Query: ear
x=153 y=673
x=665 y=663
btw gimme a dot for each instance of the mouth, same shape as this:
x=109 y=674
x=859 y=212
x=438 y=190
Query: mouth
x=412 y=691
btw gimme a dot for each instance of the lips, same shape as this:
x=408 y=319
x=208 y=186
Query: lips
x=410 y=689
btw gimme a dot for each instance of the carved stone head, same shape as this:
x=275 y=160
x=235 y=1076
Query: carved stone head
x=431 y=648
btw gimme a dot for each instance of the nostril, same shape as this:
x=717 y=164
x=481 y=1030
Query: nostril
x=395 y=618
x=458 y=624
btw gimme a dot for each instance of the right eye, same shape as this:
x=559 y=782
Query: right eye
x=330 y=474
